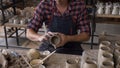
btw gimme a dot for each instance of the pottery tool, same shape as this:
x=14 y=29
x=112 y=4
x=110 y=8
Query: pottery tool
x=48 y=56
x=26 y=61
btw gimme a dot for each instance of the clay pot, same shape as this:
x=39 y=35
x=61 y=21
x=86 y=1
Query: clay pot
x=37 y=64
x=103 y=50
x=117 y=45
x=89 y=64
x=107 y=64
x=33 y=54
x=105 y=57
x=55 y=40
x=104 y=44
x=117 y=55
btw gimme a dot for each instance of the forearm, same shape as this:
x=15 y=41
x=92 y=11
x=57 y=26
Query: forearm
x=32 y=35
x=78 y=38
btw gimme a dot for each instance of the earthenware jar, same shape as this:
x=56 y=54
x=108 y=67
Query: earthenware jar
x=90 y=64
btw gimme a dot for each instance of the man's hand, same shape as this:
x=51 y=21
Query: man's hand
x=64 y=40
x=46 y=36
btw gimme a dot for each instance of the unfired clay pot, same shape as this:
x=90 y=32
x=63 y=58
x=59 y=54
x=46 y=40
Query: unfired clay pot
x=103 y=50
x=104 y=44
x=117 y=55
x=55 y=40
x=89 y=64
x=105 y=57
x=33 y=54
x=117 y=44
x=107 y=64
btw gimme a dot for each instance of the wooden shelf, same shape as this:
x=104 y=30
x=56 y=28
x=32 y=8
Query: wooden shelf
x=108 y=22
x=108 y=16
x=15 y=25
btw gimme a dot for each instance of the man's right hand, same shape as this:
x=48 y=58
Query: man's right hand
x=45 y=36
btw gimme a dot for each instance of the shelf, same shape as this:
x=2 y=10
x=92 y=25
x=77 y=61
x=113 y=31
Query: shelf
x=15 y=25
x=108 y=16
x=108 y=22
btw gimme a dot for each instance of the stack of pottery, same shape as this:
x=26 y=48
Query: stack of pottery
x=108 y=8
x=105 y=55
x=117 y=54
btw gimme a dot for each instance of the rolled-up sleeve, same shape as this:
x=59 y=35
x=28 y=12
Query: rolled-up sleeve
x=37 y=20
x=83 y=21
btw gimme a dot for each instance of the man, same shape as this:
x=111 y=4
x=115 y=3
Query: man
x=62 y=17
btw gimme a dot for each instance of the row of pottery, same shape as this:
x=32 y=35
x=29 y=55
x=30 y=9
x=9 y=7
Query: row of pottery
x=105 y=57
x=108 y=8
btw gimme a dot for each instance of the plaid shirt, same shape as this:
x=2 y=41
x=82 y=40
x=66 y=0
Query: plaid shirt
x=46 y=9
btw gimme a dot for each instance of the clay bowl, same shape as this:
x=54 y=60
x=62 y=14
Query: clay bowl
x=33 y=54
x=36 y=63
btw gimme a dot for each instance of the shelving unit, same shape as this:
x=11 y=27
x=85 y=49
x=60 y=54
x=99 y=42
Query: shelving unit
x=103 y=16
x=108 y=16
x=6 y=6
x=8 y=34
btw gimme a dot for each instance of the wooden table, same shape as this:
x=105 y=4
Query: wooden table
x=56 y=60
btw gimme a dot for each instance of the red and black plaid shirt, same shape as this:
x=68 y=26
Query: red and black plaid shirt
x=46 y=9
